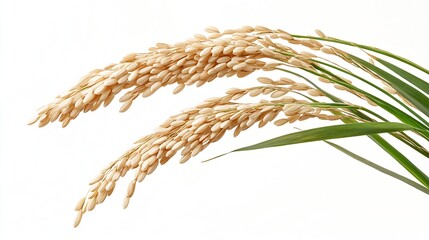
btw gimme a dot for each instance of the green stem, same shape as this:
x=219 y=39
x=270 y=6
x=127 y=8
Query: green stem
x=407 y=164
x=404 y=117
x=378 y=88
x=400 y=136
x=405 y=138
x=367 y=82
x=373 y=49
x=380 y=168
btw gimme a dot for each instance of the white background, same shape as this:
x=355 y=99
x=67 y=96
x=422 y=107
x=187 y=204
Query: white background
x=305 y=191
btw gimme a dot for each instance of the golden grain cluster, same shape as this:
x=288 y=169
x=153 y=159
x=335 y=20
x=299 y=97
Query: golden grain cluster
x=199 y=60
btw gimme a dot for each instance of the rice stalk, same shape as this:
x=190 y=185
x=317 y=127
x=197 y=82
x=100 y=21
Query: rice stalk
x=316 y=75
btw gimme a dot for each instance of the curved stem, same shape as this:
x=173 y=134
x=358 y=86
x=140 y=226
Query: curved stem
x=404 y=117
x=373 y=49
x=380 y=168
x=379 y=89
x=343 y=70
x=403 y=137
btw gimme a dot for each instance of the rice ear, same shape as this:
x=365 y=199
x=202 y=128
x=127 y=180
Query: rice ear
x=200 y=60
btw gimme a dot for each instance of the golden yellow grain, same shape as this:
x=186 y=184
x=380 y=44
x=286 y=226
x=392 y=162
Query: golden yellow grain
x=78 y=219
x=327 y=50
x=196 y=61
x=79 y=204
x=320 y=33
x=131 y=189
x=126 y=202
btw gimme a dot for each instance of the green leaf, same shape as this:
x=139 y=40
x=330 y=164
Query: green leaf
x=378 y=100
x=401 y=115
x=347 y=130
x=373 y=49
x=380 y=168
x=326 y=133
x=330 y=132
x=416 y=81
x=402 y=159
x=418 y=99
x=401 y=136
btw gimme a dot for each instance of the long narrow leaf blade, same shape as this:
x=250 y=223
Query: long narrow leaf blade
x=330 y=132
x=413 y=79
x=373 y=49
x=327 y=133
x=418 y=99
x=380 y=168
x=402 y=159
